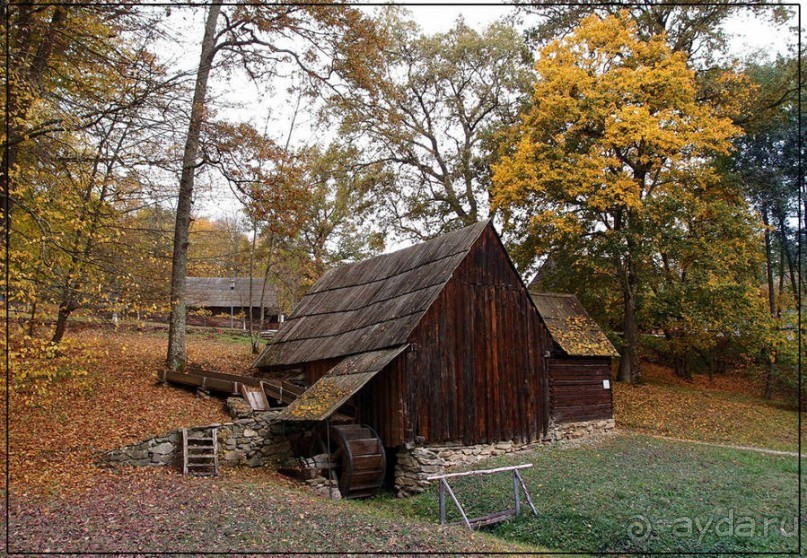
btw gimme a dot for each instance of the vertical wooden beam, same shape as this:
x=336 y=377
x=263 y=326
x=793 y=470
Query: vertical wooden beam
x=216 y=450
x=184 y=452
x=442 y=502
x=515 y=492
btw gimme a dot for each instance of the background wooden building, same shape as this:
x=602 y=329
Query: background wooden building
x=218 y=295
x=438 y=342
x=579 y=360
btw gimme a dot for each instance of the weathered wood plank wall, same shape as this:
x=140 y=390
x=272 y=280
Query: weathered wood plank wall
x=381 y=402
x=475 y=372
x=576 y=391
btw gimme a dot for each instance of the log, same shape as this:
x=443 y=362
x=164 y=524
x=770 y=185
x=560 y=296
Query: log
x=480 y=472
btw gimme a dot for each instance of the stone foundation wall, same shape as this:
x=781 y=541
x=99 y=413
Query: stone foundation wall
x=414 y=464
x=567 y=431
x=261 y=440
x=250 y=441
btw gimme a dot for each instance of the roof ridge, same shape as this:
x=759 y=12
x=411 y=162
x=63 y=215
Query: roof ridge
x=398 y=253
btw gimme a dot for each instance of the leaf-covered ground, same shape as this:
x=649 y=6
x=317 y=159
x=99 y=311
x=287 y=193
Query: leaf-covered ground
x=55 y=437
x=61 y=501
x=727 y=410
x=242 y=511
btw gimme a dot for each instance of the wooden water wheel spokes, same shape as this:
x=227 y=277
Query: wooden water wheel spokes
x=360 y=462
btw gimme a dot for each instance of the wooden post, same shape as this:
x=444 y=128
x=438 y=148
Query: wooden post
x=216 y=450
x=515 y=492
x=442 y=499
x=184 y=452
x=459 y=506
x=526 y=492
x=328 y=452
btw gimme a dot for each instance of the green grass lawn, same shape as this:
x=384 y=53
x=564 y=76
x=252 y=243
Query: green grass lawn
x=635 y=493
x=224 y=336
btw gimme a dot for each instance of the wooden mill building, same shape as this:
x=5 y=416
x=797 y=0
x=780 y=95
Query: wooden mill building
x=439 y=342
x=442 y=343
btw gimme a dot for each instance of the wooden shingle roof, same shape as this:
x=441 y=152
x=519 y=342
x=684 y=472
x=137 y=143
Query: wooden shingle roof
x=215 y=292
x=369 y=305
x=570 y=325
x=340 y=383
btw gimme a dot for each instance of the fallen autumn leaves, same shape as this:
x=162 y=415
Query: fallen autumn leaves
x=62 y=502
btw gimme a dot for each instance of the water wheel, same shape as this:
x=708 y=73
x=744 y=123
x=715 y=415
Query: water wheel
x=358 y=459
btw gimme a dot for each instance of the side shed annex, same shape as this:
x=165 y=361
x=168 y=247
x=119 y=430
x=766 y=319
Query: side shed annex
x=579 y=360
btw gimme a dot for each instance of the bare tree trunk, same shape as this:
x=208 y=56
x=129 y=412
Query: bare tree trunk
x=61 y=322
x=266 y=274
x=768 y=354
x=769 y=264
x=629 y=363
x=681 y=365
x=32 y=322
x=179 y=262
x=770 y=364
x=252 y=338
x=780 y=291
x=794 y=287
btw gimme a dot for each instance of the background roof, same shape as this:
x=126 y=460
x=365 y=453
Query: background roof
x=216 y=292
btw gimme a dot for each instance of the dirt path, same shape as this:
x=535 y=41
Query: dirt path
x=716 y=445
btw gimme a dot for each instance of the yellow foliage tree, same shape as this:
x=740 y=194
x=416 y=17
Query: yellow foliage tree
x=615 y=129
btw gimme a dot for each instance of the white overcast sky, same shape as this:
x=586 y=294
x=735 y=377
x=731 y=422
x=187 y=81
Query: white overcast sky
x=250 y=102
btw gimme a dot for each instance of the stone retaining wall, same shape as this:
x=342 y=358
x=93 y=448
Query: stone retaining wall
x=251 y=441
x=415 y=463
x=261 y=440
x=576 y=430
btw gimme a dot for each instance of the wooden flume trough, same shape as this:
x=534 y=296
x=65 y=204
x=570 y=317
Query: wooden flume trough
x=253 y=390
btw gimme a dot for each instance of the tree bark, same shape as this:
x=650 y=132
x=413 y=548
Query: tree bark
x=253 y=339
x=179 y=262
x=681 y=365
x=32 y=322
x=768 y=353
x=769 y=263
x=785 y=249
x=629 y=363
x=28 y=77
x=66 y=308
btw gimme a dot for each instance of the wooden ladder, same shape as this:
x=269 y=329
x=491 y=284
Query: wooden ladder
x=200 y=456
